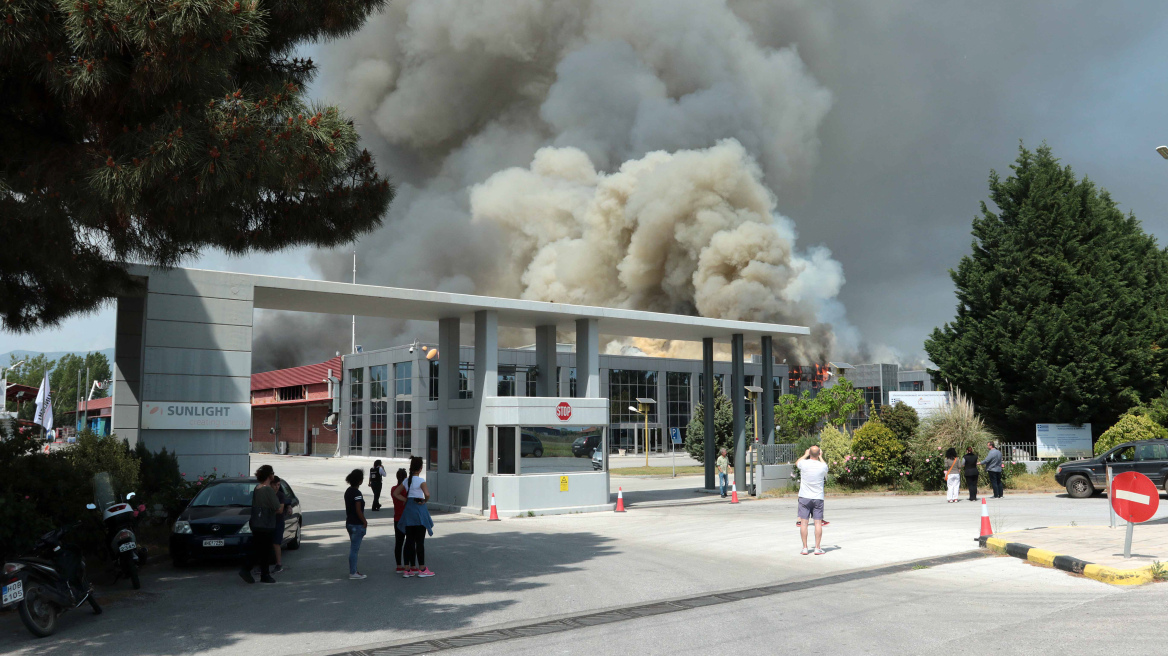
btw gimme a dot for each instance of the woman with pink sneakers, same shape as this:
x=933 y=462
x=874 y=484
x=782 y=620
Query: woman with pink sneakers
x=399 y=506
x=415 y=521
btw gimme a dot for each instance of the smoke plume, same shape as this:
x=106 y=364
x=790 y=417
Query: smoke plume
x=608 y=152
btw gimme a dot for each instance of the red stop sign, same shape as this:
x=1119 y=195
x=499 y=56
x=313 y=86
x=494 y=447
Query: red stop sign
x=1134 y=497
x=564 y=411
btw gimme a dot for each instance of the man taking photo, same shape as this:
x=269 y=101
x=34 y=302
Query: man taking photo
x=812 y=474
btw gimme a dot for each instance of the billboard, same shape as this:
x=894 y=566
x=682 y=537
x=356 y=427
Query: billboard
x=182 y=415
x=1058 y=440
x=925 y=403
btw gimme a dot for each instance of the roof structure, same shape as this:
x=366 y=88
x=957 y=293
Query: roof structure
x=96 y=404
x=308 y=374
x=29 y=392
x=319 y=296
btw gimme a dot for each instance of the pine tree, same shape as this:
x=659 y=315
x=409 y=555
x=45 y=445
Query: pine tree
x=146 y=130
x=695 y=432
x=1061 y=312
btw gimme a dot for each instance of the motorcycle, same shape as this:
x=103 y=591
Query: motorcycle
x=120 y=521
x=47 y=583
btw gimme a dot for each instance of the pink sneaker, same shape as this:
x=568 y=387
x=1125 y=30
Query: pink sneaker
x=399 y=570
x=426 y=573
x=408 y=573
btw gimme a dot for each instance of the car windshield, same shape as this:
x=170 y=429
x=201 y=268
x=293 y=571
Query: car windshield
x=225 y=494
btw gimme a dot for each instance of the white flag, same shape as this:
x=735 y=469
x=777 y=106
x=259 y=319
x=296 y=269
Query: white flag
x=44 y=406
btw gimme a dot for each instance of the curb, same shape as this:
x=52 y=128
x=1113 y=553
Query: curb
x=1045 y=558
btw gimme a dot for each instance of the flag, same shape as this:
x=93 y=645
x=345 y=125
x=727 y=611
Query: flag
x=44 y=406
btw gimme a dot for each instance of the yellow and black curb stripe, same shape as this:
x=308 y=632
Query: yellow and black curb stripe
x=1070 y=564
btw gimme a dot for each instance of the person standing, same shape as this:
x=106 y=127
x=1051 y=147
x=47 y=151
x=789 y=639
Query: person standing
x=812 y=475
x=355 y=522
x=969 y=462
x=399 y=506
x=376 y=477
x=952 y=476
x=265 y=505
x=281 y=519
x=724 y=468
x=993 y=466
x=415 y=520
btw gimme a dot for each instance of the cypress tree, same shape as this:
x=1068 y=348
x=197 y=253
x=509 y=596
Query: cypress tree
x=146 y=130
x=1061 y=311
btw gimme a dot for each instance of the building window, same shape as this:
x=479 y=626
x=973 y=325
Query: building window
x=432 y=448
x=677 y=398
x=378 y=409
x=434 y=380
x=461 y=450
x=551 y=449
x=719 y=386
x=356 y=409
x=294 y=393
x=572 y=383
x=506 y=377
x=912 y=385
x=403 y=409
x=466 y=380
x=777 y=386
x=531 y=378
x=624 y=387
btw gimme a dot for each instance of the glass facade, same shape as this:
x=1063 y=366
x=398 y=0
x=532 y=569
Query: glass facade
x=912 y=385
x=466 y=380
x=461 y=449
x=432 y=448
x=506 y=377
x=531 y=374
x=624 y=387
x=356 y=409
x=433 y=380
x=554 y=449
x=572 y=383
x=719 y=385
x=378 y=409
x=403 y=419
x=677 y=392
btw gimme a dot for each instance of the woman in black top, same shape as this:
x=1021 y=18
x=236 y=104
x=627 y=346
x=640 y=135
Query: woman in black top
x=969 y=462
x=355 y=522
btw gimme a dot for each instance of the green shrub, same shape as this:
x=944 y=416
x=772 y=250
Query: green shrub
x=836 y=445
x=928 y=468
x=1051 y=466
x=854 y=471
x=876 y=444
x=901 y=419
x=1129 y=428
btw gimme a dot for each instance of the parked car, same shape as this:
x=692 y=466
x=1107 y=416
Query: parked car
x=1084 y=478
x=214 y=525
x=584 y=445
x=530 y=445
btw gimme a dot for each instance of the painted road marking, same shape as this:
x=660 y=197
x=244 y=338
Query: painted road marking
x=1128 y=495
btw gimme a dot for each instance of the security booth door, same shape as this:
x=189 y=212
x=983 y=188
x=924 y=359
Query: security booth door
x=504 y=449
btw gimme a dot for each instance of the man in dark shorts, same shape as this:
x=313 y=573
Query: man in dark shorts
x=812 y=475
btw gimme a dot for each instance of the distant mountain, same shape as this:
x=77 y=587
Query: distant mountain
x=5 y=358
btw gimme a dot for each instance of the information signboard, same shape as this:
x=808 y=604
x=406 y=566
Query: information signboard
x=925 y=403
x=1062 y=440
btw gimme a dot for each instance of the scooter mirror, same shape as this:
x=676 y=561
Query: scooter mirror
x=91 y=506
x=130 y=496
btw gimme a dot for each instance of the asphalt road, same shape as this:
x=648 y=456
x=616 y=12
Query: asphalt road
x=672 y=543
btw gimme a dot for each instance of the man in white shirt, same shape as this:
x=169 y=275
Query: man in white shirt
x=812 y=474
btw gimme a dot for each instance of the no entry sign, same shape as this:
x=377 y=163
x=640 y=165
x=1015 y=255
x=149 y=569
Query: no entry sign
x=1133 y=497
x=564 y=411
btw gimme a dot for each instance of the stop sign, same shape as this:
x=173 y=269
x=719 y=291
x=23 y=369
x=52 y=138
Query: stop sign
x=1134 y=497
x=564 y=411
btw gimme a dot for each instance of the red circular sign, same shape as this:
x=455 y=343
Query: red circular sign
x=1134 y=497
x=564 y=411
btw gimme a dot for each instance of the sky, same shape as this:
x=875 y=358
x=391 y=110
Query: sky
x=925 y=99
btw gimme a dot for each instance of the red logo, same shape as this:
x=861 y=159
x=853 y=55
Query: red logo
x=155 y=409
x=564 y=411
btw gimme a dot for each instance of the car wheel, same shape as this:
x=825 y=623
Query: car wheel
x=179 y=560
x=1079 y=487
x=538 y=453
x=295 y=543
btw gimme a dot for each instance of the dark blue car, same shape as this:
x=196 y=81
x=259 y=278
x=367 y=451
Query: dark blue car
x=214 y=525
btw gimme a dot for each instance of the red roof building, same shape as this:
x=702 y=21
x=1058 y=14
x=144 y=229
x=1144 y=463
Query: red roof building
x=290 y=406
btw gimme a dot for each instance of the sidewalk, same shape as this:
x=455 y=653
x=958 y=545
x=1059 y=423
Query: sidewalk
x=1093 y=551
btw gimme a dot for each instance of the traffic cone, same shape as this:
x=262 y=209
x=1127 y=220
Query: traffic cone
x=986 y=529
x=494 y=511
x=733 y=493
x=620 y=500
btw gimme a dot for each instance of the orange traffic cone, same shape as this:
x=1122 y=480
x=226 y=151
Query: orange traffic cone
x=494 y=511
x=733 y=493
x=986 y=529
x=620 y=500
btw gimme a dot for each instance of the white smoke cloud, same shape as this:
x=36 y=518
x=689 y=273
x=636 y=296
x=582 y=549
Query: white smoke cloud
x=611 y=152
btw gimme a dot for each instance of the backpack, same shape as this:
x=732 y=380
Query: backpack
x=374 y=476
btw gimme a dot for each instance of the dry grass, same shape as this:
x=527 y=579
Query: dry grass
x=1034 y=482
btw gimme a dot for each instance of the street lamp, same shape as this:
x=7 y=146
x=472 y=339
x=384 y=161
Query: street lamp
x=643 y=409
x=4 y=384
x=753 y=392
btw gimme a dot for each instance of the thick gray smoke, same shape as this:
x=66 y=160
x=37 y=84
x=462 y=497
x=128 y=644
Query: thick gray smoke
x=609 y=152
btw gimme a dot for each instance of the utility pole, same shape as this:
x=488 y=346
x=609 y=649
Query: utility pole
x=88 y=393
x=353 y=346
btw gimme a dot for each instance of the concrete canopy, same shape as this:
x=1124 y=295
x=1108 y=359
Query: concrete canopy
x=299 y=295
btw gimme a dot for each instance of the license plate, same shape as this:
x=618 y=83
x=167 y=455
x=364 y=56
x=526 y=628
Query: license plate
x=13 y=593
x=212 y=543
x=129 y=546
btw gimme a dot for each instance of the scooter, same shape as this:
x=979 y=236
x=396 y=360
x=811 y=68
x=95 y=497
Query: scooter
x=119 y=521
x=48 y=583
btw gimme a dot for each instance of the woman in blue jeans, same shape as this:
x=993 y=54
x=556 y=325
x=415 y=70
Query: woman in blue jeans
x=355 y=522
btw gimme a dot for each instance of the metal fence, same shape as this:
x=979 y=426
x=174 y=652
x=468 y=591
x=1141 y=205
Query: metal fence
x=1018 y=452
x=774 y=454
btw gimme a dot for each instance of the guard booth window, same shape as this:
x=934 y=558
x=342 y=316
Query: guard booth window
x=461 y=450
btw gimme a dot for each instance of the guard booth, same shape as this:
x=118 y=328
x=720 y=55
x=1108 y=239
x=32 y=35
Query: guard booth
x=540 y=454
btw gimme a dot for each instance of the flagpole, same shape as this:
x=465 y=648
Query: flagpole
x=87 y=395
